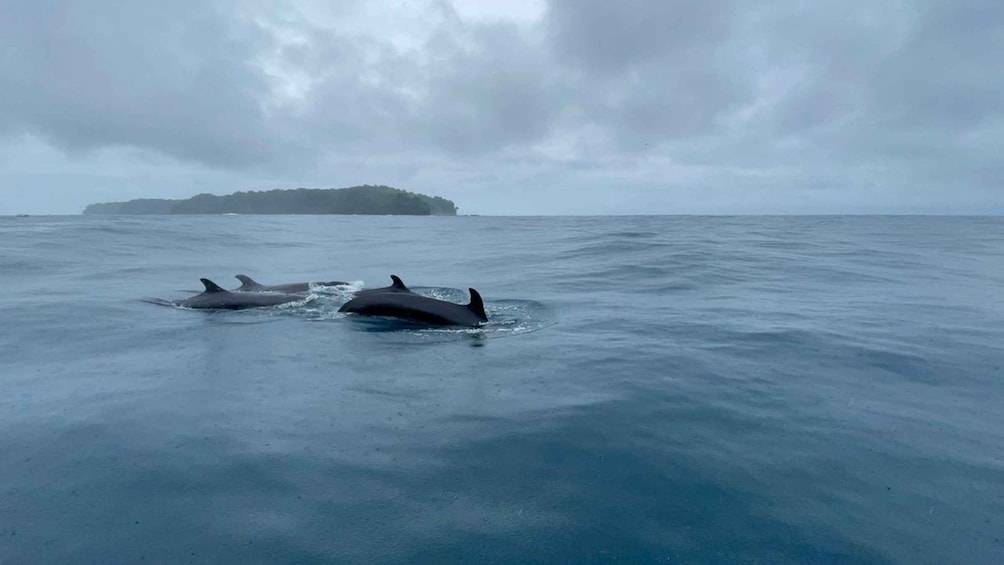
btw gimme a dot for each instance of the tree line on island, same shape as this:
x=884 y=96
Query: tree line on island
x=363 y=200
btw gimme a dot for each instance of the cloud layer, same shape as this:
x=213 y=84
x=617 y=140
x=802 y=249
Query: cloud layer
x=581 y=106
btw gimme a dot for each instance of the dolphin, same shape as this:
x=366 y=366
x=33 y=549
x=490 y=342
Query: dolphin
x=397 y=286
x=417 y=308
x=216 y=298
x=250 y=285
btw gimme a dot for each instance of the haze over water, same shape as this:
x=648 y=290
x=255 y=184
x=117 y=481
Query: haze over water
x=651 y=389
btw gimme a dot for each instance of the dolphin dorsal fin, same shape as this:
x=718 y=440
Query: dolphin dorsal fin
x=398 y=283
x=211 y=287
x=477 y=305
x=247 y=283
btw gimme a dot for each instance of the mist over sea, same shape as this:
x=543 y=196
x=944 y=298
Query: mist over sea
x=650 y=390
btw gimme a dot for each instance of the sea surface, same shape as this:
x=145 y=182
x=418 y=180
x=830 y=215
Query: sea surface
x=649 y=390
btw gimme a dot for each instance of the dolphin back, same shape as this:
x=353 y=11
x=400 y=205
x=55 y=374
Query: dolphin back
x=418 y=308
x=211 y=287
x=477 y=305
x=247 y=283
x=250 y=285
x=398 y=284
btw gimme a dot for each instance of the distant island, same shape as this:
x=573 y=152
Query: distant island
x=363 y=200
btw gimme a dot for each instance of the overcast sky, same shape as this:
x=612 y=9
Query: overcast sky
x=510 y=106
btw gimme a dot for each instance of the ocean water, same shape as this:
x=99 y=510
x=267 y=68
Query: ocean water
x=649 y=390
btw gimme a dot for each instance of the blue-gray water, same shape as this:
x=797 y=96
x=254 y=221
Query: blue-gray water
x=651 y=389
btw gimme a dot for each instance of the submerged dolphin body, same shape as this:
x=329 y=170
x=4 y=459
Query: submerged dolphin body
x=407 y=305
x=216 y=298
x=250 y=285
x=397 y=286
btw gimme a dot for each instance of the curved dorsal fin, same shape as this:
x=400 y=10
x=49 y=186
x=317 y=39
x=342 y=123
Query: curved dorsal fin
x=398 y=283
x=211 y=287
x=247 y=282
x=477 y=305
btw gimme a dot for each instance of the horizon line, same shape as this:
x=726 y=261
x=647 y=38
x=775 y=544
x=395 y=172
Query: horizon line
x=548 y=215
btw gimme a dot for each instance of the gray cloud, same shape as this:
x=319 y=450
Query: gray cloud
x=635 y=106
x=650 y=70
x=141 y=74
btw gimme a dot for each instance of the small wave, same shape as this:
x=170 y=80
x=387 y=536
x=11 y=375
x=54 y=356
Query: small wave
x=160 y=302
x=346 y=290
x=290 y=307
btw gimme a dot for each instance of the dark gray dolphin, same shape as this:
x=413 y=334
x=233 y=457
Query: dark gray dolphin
x=396 y=286
x=216 y=298
x=418 y=308
x=250 y=285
